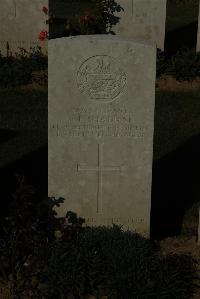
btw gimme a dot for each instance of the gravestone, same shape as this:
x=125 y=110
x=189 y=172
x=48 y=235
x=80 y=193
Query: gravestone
x=144 y=19
x=8 y=9
x=21 y=22
x=198 y=34
x=101 y=115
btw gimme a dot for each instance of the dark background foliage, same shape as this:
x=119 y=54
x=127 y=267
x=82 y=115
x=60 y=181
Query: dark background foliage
x=18 y=69
x=99 y=17
x=183 y=66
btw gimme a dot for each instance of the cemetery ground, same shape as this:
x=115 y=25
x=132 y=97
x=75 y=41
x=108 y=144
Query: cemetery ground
x=175 y=170
x=175 y=199
x=175 y=191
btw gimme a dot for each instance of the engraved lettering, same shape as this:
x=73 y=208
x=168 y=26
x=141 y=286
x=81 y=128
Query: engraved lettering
x=107 y=122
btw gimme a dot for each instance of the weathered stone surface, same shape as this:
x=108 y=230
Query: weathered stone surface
x=198 y=34
x=143 y=19
x=8 y=9
x=101 y=114
x=21 y=21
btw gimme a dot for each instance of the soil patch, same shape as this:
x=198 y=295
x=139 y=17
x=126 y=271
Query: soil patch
x=171 y=84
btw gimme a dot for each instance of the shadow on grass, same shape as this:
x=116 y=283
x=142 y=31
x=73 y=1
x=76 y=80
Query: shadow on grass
x=182 y=37
x=33 y=167
x=175 y=188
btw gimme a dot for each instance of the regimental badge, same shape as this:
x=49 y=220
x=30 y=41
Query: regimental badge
x=100 y=78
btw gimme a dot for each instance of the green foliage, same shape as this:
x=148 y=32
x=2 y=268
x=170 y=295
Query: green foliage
x=28 y=224
x=14 y=72
x=89 y=17
x=17 y=70
x=46 y=257
x=110 y=262
x=184 y=65
x=173 y=276
x=96 y=262
x=161 y=64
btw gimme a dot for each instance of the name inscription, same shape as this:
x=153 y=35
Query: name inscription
x=116 y=220
x=102 y=122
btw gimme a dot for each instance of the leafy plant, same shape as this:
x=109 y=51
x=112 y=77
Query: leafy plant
x=27 y=225
x=91 y=17
x=18 y=70
x=161 y=63
x=185 y=65
x=109 y=262
x=46 y=257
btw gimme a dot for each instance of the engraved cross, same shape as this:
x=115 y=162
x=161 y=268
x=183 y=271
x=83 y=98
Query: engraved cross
x=100 y=169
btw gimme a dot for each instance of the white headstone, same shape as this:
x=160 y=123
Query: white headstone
x=21 y=22
x=143 y=19
x=198 y=34
x=101 y=119
x=7 y=9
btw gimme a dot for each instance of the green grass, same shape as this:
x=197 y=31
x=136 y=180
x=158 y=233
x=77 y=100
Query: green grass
x=176 y=120
x=180 y=15
x=24 y=113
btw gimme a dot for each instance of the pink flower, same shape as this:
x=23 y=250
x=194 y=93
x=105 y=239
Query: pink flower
x=87 y=17
x=43 y=35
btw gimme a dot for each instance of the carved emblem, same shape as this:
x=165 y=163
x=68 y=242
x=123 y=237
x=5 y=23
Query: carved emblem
x=101 y=79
